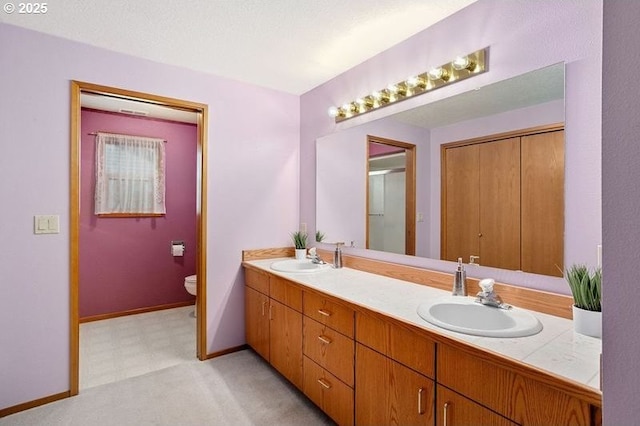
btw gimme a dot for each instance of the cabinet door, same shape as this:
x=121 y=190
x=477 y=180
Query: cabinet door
x=460 y=203
x=286 y=342
x=388 y=393
x=500 y=203
x=453 y=409
x=543 y=203
x=257 y=321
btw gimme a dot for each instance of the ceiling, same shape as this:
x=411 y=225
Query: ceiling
x=287 y=45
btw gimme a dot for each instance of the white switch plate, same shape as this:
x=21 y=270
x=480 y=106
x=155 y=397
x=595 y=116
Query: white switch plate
x=46 y=224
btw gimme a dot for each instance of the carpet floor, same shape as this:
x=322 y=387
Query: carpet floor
x=234 y=389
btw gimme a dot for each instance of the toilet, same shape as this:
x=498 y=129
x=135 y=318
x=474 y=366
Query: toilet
x=190 y=284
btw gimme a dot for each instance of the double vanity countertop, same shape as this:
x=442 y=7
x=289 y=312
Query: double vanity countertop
x=557 y=349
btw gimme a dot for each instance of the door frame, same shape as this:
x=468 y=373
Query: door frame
x=410 y=191
x=77 y=88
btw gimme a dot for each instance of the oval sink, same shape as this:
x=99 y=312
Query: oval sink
x=464 y=315
x=299 y=266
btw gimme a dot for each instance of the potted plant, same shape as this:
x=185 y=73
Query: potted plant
x=319 y=236
x=586 y=288
x=300 y=243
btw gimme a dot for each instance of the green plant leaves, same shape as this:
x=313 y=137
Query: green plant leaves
x=586 y=287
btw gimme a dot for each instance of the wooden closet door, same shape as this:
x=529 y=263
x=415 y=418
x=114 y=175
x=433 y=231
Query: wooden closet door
x=543 y=203
x=460 y=212
x=500 y=203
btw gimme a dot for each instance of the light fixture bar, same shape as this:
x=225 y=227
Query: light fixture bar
x=460 y=68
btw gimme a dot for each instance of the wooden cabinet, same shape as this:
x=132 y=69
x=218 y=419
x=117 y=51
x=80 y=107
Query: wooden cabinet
x=273 y=322
x=503 y=200
x=328 y=349
x=363 y=367
x=453 y=409
x=257 y=321
x=509 y=392
x=388 y=393
x=395 y=368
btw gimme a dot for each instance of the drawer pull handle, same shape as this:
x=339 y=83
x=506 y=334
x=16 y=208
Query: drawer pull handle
x=420 y=409
x=444 y=416
x=324 y=383
x=324 y=339
x=324 y=312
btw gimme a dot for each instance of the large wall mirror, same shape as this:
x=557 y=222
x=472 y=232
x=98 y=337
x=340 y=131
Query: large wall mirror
x=343 y=208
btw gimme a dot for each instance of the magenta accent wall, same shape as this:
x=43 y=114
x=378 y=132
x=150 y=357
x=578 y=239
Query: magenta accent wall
x=125 y=263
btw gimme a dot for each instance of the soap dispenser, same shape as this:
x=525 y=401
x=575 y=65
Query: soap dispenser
x=337 y=256
x=460 y=280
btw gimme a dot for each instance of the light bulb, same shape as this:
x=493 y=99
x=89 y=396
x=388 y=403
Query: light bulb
x=463 y=63
x=333 y=111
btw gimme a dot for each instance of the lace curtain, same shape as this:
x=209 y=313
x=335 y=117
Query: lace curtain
x=130 y=175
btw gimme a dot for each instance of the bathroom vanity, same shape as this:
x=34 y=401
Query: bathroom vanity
x=352 y=341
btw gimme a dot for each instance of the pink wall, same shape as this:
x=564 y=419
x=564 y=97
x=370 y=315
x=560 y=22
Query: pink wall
x=621 y=212
x=252 y=176
x=522 y=37
x=125 y=263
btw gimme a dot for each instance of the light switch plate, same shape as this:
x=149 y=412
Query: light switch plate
x=46 y=224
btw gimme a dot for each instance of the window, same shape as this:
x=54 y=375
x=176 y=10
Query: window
x=130 y=176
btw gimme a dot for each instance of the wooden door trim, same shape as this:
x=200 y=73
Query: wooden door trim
x=410 y=187
x=77 y=88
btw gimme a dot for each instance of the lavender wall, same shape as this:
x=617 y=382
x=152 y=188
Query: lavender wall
x=253 y=174
x=522 y=36
x=621 y=209
x=125 y=263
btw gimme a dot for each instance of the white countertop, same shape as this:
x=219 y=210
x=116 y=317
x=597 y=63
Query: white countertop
x=556 y=349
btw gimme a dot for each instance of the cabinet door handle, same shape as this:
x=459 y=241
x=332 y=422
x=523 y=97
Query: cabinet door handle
x=420 y=409
x=270 y=311
x=324 y=312
x=444 y=414
x=324 y=383
x=263 y=304
x=324 y=339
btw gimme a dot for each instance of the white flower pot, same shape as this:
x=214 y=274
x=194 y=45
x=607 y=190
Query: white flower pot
x=301 y=254
x=588 y=323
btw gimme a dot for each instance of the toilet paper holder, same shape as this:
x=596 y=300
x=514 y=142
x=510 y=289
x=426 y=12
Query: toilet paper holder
x=178 y=244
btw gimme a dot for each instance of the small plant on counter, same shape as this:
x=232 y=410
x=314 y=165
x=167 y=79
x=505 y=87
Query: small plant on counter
x=586 y=287
x=319 y=236
x=299 y=239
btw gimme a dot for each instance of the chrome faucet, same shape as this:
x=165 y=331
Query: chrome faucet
x=313 y=255
x=487 y=296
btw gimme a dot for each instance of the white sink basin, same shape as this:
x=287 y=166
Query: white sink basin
x=298 y=266
x=464 y=315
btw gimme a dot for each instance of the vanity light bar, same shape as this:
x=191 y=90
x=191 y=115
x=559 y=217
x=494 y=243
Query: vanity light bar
x=460 y=68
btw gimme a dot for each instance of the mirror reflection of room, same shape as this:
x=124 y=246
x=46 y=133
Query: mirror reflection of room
x=530 y=101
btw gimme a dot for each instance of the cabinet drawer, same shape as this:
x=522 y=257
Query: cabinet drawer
x=453 y=409
x=506 y=391
x=328 y=312
x=328 y=348
x=327 y=392
x=257 y=280
x=285 y=292
x=396 y=342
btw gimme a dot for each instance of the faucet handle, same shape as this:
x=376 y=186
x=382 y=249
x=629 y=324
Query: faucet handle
x=487 y=285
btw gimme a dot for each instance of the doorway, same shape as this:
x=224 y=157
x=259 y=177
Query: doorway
x=391 y=196
x=77 y=90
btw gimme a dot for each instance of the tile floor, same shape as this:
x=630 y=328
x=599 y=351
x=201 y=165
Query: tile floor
x=129 y=346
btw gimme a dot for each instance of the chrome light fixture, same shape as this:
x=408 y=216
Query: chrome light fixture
x=461 y=68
